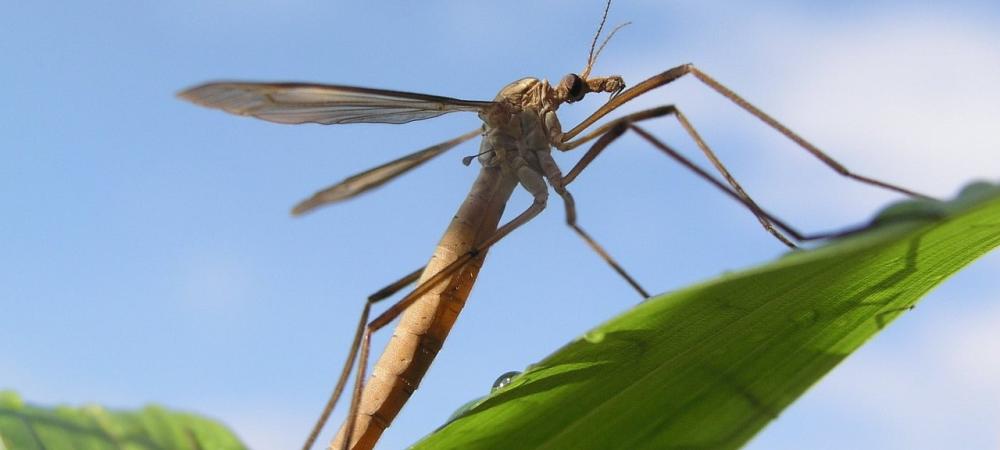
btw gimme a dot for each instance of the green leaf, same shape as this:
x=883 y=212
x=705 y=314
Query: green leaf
x=27 y=427
x=709 y=366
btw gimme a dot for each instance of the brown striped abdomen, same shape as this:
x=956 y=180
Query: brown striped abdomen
x=426 y=323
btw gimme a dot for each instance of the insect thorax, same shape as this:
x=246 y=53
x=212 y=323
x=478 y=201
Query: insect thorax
x=520 y=125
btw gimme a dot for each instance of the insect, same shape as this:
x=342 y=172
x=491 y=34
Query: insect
x=519 y=131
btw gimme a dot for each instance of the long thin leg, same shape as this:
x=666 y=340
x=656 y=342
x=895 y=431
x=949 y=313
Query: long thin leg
x=571 y=221
x=397 y=308
x=555 y=176
x=721 y=168
x=345 y=373
x=735 y=195
x=613 y=130
x=679 y=71
x=609 y=135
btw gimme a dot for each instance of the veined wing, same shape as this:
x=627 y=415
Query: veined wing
x=375 y=177
x=323 y=103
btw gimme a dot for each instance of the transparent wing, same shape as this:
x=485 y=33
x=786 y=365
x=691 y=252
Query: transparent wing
x=375 y=177
x=324 y=104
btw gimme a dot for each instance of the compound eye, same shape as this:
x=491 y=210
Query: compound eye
x=575 y=87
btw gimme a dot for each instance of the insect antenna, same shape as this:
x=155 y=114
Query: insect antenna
x=593 y=43
x=592 y=58
x=610 y=35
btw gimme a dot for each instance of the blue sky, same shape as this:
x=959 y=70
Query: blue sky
x=150 y=256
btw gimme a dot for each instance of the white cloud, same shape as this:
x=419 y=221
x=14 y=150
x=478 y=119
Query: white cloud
x=912 y=99
x=970 y=350
x=931 y=399
x=912 y=96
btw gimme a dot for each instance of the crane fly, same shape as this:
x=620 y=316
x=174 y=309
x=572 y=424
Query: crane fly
x=519 y=131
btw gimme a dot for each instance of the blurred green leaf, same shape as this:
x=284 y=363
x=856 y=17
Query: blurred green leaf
x=28 y=427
